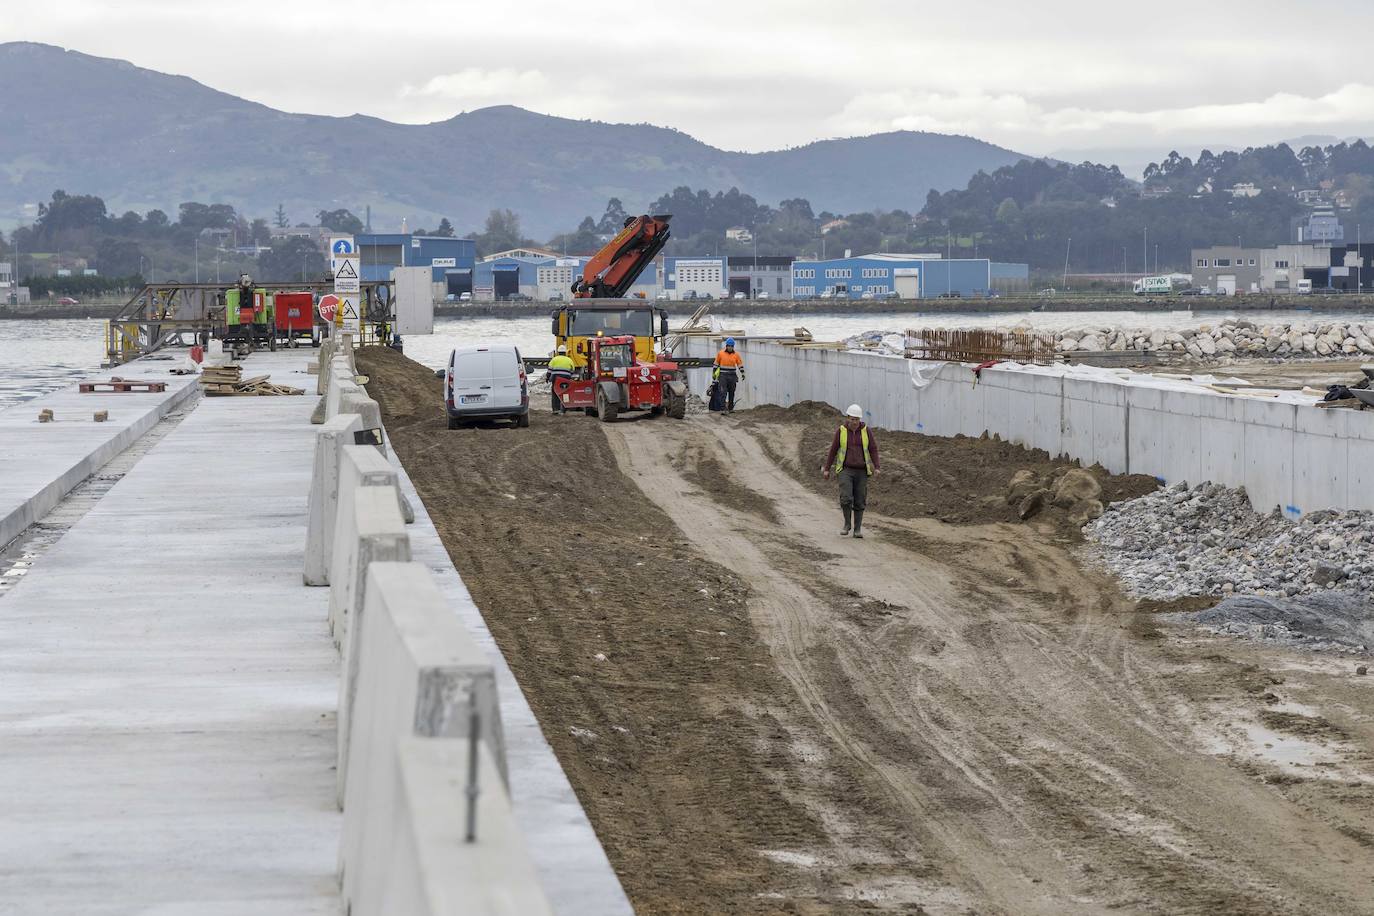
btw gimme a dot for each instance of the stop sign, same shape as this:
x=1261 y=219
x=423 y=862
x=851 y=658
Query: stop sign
x=328 y=305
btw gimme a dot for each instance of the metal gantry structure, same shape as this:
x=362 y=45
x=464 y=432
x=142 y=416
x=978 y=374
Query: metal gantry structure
x=182 y=314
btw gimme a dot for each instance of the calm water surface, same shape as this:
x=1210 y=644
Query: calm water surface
x=40 y=356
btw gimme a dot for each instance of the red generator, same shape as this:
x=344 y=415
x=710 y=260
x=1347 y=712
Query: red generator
x=295 y=314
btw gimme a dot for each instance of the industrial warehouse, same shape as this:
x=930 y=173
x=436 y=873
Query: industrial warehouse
x=533 y=274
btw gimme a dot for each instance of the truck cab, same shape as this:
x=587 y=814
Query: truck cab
x=577 y=321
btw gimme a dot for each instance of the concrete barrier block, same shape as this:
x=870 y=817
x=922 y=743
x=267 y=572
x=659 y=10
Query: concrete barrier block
x=353 y=399
x=359 y=466
x=430 y=868
x=324 y=496
x=323 y=357
x=419 y=674
x=375 y=533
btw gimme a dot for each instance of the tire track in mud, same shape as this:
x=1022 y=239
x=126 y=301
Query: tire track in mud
x=1033 y=751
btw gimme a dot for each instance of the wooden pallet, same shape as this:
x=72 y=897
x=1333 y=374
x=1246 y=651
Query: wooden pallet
x=257 y=386
x=123 y=385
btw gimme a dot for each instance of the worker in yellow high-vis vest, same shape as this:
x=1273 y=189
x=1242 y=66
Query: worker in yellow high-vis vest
x=853 y=458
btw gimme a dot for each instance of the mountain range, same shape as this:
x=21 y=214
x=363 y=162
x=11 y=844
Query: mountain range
x=143 y=139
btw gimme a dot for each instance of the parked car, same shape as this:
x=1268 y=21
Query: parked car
x=690 y=294
x=762 y=294
x=465 y=297
x=663 y=294
x=555 y=297
x=1047 y=291
x=486 y=383
x=869 y=294
x=67 y=300
x=828 y=294
x=705 y=296
x=450 y=298
x=1191 y=291
x=739 y=296
x=952 y=294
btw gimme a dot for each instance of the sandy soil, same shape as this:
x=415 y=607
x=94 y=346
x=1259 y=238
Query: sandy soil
x=761 y=716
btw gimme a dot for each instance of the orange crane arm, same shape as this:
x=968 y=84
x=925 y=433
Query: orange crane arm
x=612 y=271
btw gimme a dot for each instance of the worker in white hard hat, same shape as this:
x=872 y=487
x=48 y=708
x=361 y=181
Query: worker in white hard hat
x=560 y=367
x=853 y=458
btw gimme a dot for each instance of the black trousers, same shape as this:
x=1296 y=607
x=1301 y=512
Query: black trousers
x=853 y=488
x=728 y=379
x=556 y=403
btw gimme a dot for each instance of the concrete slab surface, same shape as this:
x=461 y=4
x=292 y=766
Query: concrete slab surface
x=41 y=462
x=167 y=685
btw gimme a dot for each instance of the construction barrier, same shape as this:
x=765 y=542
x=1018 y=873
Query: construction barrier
x=425 y=830
x=359 y=466
x=375 y=533
x=1294 y=456
x=323 y=500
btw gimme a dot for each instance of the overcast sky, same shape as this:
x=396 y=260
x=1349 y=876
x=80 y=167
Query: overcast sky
x=1041 y=78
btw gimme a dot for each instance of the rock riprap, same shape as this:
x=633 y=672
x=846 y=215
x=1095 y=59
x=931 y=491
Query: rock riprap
x=1206 y=540
x=1225 y=339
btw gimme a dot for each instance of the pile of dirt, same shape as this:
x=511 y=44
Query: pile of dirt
x=956 y=479
x=637 y=655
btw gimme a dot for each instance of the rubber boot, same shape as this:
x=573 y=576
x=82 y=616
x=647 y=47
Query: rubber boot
x=845 y=510
x=858 y=523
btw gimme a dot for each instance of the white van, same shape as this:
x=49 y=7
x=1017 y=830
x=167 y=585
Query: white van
x=486 y=383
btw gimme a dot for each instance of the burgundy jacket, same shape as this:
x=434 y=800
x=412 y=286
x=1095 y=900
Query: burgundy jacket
x=854 y=450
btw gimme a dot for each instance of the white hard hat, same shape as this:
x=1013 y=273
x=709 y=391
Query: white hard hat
x=562 y=348
x=855 y=411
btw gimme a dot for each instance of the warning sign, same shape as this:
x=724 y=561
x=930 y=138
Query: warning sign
x=348 y=312
x=346 y=275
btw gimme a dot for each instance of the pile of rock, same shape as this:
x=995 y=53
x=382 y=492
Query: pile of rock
x=1074 y=490
x=1232 y=337
x=1206 y=540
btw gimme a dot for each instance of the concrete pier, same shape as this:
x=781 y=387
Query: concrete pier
x=168 y=685
x=40 y=463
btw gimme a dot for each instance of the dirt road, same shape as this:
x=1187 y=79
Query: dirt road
x=939 y=718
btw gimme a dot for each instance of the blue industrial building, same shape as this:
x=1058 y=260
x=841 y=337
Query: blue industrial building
x=450 y=260
x=505 y=276
x=914 y=276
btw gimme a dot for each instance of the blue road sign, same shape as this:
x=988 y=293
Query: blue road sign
x=341 y=247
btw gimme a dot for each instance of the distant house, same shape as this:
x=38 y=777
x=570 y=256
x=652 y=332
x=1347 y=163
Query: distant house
x=833 y=224
x=1310 y=196
x=739 y=234
x=1243 y=189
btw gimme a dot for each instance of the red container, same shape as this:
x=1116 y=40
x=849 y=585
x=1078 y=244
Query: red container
x=295 y=311
x=197 y=353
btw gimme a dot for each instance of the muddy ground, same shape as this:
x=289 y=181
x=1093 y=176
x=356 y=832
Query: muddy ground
x=946 y=717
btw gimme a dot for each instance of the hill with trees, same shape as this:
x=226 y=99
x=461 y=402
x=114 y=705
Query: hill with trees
x=148 y=140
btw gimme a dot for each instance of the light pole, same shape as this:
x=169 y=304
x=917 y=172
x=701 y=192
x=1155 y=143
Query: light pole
x=1123 y=267
x=1145 y=254
x=1156 y=258
x=197 y=258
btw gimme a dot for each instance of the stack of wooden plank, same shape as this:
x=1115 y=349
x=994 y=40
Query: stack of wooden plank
x=228 y=381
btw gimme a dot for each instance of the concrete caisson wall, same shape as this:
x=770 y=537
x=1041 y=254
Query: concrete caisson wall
x=1295 y=456
x=419 y=681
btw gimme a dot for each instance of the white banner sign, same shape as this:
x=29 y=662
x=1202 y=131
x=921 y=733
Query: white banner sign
x=444 y=262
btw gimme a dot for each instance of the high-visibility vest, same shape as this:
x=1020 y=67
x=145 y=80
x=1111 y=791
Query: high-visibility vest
x=844 y=446
x=561 y=363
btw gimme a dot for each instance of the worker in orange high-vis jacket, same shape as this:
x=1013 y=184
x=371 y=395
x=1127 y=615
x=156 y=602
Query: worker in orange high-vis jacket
x=728 y=372
x=853 y=458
